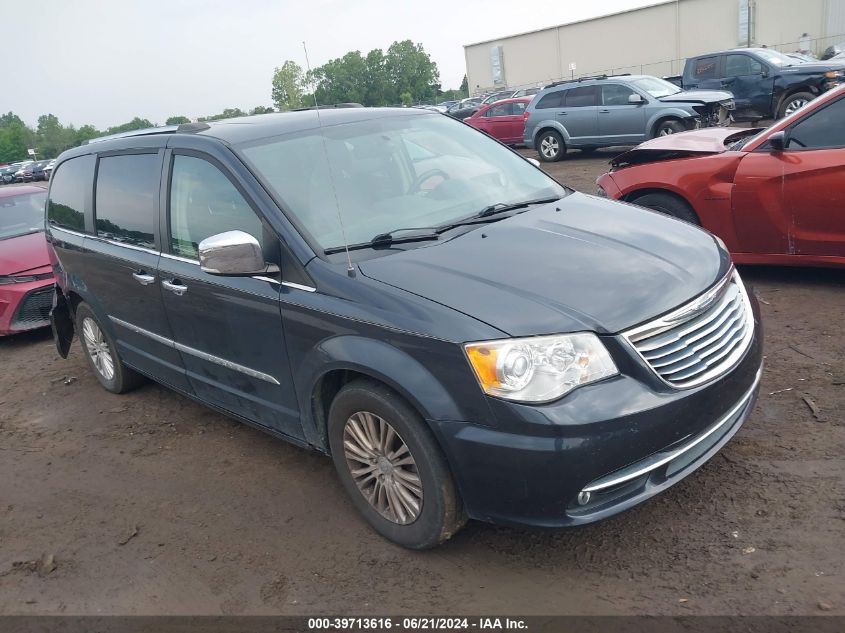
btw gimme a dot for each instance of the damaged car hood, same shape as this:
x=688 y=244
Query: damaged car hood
x=579 y=264
x=698 y=96
x=712 y=140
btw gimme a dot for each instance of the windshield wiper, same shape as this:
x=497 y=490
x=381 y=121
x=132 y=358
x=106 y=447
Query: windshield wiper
x=501 y=207
x=388 y=239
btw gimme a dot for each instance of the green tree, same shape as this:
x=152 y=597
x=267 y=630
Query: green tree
x=410 y=69
x=228 y=113
x=287 y=86
x=177 y=120
x=135 y=124
x=342 y=80
x=52 y=138
x=86 y=133
x=14 y=141
x=465 y=87
x=261 y=110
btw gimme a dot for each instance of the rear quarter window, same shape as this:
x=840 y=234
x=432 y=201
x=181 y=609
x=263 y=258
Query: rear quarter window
x=705 y=68
x=69 y=185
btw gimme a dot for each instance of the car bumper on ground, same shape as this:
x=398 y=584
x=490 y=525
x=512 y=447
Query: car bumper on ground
x=25 y=306
x=600 y=450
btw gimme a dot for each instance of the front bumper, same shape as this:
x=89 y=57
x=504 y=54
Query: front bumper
x=622 y=440
x=25 y=306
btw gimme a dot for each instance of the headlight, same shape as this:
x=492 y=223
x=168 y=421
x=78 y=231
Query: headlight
x=600 y=192
x=539 y=369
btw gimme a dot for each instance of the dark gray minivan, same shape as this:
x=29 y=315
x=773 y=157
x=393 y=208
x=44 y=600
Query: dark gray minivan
x=463 y=335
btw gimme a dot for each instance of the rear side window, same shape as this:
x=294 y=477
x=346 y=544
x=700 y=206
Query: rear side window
x=822 y=129
x=70 y=183
x=705 y=68
x=582 y=97
x=126 y=204
x=204 y=202
x=551 y=100
x=502 y=109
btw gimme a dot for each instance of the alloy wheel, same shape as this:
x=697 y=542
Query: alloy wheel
x=794 y=105
x=382 y=467
x=98 y=348
x=666 y=130
x=549 y=146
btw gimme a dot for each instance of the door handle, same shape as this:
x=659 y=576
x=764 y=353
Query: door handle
x=143 y=278
x=604 y=111
x=174 y=287
x=562 y=113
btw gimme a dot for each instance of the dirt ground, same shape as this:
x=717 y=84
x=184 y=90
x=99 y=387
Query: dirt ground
x=148 y=503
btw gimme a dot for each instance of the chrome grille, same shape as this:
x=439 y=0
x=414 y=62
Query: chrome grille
x=701 y=340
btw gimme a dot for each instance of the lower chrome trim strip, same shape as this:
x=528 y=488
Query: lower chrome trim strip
x=661 y=458
x=195 y=352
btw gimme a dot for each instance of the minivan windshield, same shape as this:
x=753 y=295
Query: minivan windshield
x=656 y=87
x=22 y=214
x=392 y=172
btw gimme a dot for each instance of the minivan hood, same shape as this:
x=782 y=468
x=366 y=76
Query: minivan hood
x=594 y=265
x=23 y=253
x=709 y=140
x=698 y=96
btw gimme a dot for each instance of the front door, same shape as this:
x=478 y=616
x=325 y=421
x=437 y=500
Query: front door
x=793 y=201
x=752 y=91
x=120 y=262
x=814 y=181
x=227 y=329
x=580 y=114
x=619 y=120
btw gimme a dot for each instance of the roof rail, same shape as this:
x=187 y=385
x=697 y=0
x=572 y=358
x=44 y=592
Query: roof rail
x=580 y=79
x=148 y=131
x=329 y=107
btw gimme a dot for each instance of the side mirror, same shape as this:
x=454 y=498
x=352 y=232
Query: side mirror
x=534 y=162
x=765 y=74
x=635 y=99
x=777 y=141
x=231 y=253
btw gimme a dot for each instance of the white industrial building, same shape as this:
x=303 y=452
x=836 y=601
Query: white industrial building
x=652 y=40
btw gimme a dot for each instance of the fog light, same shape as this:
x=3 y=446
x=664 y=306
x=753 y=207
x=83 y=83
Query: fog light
x=583 y=498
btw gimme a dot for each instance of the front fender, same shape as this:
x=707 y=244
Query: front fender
x=379 y=360
x=668 y=113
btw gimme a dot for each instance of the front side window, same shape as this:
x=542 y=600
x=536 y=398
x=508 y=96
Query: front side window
x=126 y=202
x=70 y=183
x=615 y=94
x=741 y=65
x=363 y=174
x=823 y=128
x=204 y=202
x=22 y=214
x=582 y=97
x=501 y=109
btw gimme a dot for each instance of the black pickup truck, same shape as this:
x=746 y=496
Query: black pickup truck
x=766 y=84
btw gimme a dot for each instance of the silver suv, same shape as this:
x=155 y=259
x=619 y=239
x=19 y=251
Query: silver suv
x=605 y=111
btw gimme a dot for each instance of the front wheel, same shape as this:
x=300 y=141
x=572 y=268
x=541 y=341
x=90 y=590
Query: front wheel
x=391 y=467
x=670 y=205
x=550 y=146
x=794 y=102
x=672 y=126
x=101 y=353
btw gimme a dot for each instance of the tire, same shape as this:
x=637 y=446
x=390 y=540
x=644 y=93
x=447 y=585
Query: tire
x=438 y=512
x=793 y=102
x=670 y=205
x=113 y=375
x=669 y=126
x=550 y=146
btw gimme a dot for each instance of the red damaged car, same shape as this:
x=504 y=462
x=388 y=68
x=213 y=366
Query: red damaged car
x=774 y=196
x=503 y=120
x=26 y=278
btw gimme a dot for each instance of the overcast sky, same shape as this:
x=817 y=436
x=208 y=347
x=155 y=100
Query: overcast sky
x=105 y=62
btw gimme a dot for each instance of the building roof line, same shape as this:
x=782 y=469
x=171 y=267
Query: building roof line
x=557 y=26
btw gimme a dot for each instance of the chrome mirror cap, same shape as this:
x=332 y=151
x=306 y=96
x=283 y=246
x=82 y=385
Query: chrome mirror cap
x=231 y=253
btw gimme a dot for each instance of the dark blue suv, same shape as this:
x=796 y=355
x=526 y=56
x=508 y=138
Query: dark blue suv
x=464 y=336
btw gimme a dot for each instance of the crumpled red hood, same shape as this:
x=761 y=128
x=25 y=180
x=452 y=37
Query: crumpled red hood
x=711 y=140
x=23 y=254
